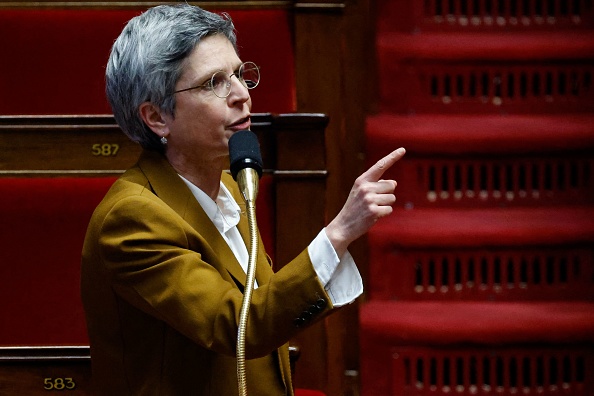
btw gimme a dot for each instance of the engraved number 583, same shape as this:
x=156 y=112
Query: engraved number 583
x=58 y=384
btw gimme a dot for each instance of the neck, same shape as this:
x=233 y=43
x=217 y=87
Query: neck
x=205 y=176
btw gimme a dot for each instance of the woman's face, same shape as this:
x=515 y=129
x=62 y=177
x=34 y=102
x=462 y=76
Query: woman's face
x=203 y=122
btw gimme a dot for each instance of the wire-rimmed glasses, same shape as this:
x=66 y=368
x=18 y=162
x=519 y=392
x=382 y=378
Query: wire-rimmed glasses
x=248 y=75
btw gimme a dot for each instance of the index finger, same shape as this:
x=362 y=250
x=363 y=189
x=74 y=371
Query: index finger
x=377 y=170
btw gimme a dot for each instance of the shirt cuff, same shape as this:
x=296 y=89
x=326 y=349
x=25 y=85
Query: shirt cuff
x=339 y=276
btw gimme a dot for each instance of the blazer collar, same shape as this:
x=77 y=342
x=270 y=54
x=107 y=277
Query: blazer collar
x=169 y=187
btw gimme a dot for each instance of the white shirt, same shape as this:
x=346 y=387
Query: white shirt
x=339 y=276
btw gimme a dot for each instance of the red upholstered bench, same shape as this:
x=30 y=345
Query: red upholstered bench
x=44 y=221
x=485 y=227
x=56 y=58
x=489 y=160
x=438 y=347
x=41 y=234
x=439 y=323
x=460 y=134
x=486 y=73
x=451 y=288
x=483 y=254
x=308 y=392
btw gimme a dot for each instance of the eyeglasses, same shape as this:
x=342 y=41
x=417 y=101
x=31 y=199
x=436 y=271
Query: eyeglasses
x=248 y=75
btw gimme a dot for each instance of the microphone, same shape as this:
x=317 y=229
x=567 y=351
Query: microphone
x=246 y=163
x=246 y=169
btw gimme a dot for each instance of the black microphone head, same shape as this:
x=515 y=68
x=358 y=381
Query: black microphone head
x=244 y=152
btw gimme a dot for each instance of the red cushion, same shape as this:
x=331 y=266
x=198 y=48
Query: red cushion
x=308 y=392
x=44 y=221
x=457 y=134
x=484 y=227
x=475 y=46
x=484 y=323
x=55 y=59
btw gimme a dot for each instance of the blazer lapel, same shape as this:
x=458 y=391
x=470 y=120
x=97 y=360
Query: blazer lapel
x=169 y=187
x=263 y=269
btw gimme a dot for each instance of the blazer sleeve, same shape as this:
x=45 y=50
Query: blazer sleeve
x=160 y=264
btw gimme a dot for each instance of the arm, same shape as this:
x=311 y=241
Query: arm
x=160 y=264
x=369 y=200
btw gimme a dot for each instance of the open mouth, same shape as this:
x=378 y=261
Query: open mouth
x=243 y=123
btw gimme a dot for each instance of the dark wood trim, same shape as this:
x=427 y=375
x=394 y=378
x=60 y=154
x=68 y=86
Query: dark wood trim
x=60 y=145
x=31 y=354
x=227 y=5
x=335 y=72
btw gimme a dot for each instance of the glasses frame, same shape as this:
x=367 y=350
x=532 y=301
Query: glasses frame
x=210 y=83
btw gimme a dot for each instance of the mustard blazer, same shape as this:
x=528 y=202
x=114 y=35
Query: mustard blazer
x=162 y=293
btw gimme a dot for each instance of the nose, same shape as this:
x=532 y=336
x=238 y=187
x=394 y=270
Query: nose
x=238 y=91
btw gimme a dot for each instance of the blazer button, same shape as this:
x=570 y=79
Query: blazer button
x=321 y=304
x=306 y=315
x=314 y=310
x=298 y=322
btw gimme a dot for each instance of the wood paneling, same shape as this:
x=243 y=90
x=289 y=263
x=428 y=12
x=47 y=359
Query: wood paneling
x=335 y=75
x=41 y=370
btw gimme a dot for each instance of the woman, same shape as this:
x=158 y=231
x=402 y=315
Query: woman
x=164 y=259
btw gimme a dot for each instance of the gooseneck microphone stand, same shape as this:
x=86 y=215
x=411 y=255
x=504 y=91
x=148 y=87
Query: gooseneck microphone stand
x=252 y=180
x=246 y=168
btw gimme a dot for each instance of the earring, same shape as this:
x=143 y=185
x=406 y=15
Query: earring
x=164 y=141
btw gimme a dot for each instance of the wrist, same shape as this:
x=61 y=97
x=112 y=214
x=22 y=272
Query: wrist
x=337 y=239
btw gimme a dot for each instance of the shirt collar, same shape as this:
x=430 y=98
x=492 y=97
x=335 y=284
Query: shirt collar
x=224 y=212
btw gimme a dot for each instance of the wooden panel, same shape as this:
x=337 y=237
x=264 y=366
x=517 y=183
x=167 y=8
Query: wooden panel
x=64 y=145
x=44 y=370
x=35 y=371
x=95 y=145
x=335 y=72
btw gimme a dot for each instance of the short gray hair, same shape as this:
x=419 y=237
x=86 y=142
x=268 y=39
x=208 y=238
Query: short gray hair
x=147 y=60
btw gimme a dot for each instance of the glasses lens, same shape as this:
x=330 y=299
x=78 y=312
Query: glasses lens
x=249 y=75
x=220 y=84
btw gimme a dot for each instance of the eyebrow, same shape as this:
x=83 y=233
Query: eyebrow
x=204 y=80
x=214 y=70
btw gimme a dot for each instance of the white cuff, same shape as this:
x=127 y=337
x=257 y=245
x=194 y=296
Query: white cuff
x=340 y=276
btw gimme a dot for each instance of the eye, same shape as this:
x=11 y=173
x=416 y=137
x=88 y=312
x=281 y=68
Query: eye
x=249 y=75
x=218 y=80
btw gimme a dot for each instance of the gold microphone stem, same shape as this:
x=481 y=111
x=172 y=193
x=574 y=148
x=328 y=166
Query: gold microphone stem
x=248 y=185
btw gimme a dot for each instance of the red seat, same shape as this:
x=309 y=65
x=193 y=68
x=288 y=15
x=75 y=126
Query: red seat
x=56 y=58
x=44 y=221
x=484 y=227
x=477 y=322
x=308 y=392
x=487 y=134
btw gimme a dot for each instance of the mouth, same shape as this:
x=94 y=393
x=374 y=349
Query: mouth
x=241 y=124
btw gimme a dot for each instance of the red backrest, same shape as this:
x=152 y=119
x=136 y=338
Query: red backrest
x=54 y=60
x=42 y=228
x=41 y=235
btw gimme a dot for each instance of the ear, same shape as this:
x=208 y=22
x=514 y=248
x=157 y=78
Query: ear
x=152 y=117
